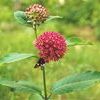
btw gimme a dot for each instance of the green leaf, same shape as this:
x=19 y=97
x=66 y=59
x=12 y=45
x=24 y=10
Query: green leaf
x=20 y=86
x=20 y=16
x=76 y=82
x=53 y=17
x=12 y=57
x=35 y=97
x=25 y=86
x=73 y=41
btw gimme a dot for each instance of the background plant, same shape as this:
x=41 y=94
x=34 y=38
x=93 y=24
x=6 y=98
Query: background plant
x=72 y=58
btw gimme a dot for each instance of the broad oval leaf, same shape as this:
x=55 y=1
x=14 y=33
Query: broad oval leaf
x=26 y=86
x=53 y=17
x=20 y=86
x=12 y=57
x=20 y=16
x=76 y=82
x=73 y=41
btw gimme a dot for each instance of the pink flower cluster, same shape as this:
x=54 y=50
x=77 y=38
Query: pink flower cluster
x=52 y=46
x=37 y=13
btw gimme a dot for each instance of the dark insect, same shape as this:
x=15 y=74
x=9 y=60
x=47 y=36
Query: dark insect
x=39 y=63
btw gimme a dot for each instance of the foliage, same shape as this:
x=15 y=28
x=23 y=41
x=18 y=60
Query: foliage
x=76 y=82
x=76 y=13
x=20 y=86
x=21 y=18
x=15 y=57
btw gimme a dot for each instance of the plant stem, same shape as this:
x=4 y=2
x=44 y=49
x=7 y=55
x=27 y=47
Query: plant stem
x=35 y=30
x=44 y=83
x=12 y=96
x=42 y=68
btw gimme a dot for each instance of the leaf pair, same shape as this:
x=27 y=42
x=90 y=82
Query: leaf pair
x=69 y=84
x=12 y=57
x=20 y=16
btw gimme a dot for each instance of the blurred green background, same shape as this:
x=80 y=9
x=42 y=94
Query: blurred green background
x=80 y=18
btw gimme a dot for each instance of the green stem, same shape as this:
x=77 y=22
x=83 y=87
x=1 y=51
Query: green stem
x=42 y=68
x=12 y=96
x=44 y=83
x=35 y=30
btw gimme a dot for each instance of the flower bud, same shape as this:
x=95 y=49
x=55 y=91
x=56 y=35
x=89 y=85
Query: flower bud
x=36 y=13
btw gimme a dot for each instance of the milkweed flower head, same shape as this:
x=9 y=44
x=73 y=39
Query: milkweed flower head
x=51 y=45
x=36 y=13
